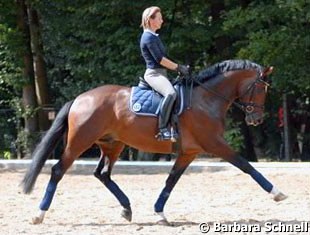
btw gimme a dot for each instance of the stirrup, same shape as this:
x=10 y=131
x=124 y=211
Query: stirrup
x=165 y=134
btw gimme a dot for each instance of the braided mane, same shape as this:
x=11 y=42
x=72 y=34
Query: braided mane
x=226 y=66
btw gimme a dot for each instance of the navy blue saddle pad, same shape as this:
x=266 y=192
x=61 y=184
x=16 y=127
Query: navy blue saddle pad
x=146 y=102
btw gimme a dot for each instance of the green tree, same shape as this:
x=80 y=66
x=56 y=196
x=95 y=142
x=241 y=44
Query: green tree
x=275 y=33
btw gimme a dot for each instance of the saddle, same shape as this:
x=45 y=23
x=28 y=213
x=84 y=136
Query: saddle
x=145 y=101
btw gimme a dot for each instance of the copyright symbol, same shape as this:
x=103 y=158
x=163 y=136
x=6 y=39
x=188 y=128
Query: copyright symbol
x=204 y=227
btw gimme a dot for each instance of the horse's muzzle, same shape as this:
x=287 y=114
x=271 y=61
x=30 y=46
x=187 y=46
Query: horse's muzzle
x=254 y=119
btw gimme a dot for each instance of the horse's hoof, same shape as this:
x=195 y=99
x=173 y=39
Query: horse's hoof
x=127 y=214
x=280 y=197
x=163 y=222
x=37 y=220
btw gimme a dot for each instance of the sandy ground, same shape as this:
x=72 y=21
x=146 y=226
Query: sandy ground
x=83 y=206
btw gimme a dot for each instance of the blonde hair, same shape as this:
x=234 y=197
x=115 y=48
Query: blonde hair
x=148 y=13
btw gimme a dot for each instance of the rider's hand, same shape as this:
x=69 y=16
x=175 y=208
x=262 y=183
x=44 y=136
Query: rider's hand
x=183 y=69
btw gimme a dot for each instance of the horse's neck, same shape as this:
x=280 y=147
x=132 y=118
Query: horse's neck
x=222 y=88
x=216 y=99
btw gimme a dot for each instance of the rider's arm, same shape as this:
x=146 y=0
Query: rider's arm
x=165 y=62
x=157 y=51
x=182 y=69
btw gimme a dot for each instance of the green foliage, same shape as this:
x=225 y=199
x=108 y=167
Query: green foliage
x=98 y=44
x=275 y=33
x=11 y=79
x=7 y=155
x=11 y=47
x=25 y=141
x=233 y=135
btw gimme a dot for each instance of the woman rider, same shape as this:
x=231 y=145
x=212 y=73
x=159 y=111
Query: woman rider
x=154 y=54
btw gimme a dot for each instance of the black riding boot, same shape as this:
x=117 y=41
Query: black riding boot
x=164 y=115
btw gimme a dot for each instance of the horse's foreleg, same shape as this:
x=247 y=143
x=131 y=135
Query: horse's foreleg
x=246 y=167
x=229 y=155
x=182 y=162
x=103 y=173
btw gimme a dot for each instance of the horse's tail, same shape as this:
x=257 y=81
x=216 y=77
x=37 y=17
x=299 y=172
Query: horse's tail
x=45 y=147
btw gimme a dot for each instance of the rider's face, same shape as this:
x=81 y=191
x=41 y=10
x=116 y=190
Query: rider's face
x=156 y=22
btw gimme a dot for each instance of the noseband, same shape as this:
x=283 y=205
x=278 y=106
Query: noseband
x=247 y=107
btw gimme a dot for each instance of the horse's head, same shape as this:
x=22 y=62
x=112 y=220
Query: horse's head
x=252 y=98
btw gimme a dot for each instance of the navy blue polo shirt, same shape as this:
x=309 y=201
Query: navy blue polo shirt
x=152 y=49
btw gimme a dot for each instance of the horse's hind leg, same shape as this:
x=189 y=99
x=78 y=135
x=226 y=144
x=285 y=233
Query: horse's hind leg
x=56 y=176
x=109 y=155
x=71 y=152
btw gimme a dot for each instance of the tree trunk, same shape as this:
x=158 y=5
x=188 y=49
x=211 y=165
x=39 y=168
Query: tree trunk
x=28 y=92
x=248 y=151
x=286 y=136
x=39 y=67
x=244 y=3
x=222 y=42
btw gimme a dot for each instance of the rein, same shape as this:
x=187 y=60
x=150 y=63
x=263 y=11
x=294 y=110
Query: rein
x=247 y=107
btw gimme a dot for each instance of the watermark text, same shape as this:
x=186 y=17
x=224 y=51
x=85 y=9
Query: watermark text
x=267 y=227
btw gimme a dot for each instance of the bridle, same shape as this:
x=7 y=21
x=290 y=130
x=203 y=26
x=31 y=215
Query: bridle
x=247 y=107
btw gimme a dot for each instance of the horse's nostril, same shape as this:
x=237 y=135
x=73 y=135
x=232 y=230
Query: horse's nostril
x=258 y=122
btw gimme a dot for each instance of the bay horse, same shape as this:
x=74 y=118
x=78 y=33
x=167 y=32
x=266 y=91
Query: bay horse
x=101 y=116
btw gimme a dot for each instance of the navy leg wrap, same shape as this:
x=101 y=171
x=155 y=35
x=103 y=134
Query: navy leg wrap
x=113 y=188
x=165 y=193
x=161 y=201
x=261 y=180
x=48 y=197
x=51 y=187
x=246 y=167
x=118 y=193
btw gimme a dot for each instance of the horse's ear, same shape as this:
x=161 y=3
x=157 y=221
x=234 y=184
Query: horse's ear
x=267 y=71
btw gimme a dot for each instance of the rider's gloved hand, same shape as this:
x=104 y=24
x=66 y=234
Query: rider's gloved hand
x=183 y=69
